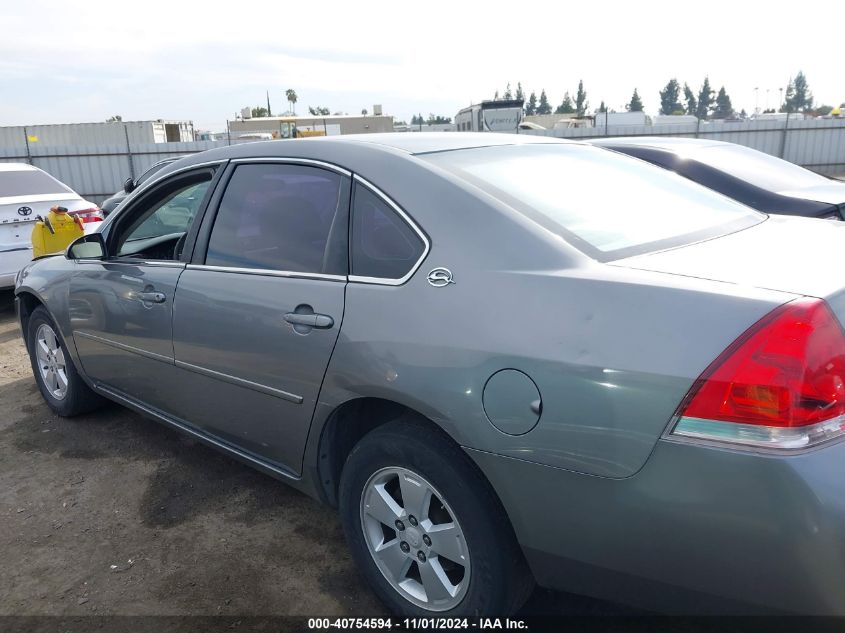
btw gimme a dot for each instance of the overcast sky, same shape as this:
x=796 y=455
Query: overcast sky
x=66 y=62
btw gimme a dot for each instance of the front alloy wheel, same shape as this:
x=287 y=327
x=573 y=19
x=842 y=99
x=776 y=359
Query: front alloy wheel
x=415 y=539
x=51 y=361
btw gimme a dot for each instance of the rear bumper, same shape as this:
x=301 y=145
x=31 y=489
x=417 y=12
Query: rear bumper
x=11 y=261
x=696 y=530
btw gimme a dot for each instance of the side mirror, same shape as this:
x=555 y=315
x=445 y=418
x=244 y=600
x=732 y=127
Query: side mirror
x=129 y=185
x=90 y=246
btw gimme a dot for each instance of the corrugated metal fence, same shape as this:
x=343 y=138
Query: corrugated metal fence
x=818 y=144
x=97 y=171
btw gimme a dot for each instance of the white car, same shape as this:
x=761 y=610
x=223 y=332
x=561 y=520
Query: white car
x=27 y=192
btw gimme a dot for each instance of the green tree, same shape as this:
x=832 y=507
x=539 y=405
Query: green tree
x=543 y=106
x=705 y=100
x=636 y=104
x=417 y=119
x=364 y=111
x=290 y=95
x=689 y=97
x=581 y=103
x=566 y=106
x=823 y=110
x=496 y=96
x=798 y=95
x=114 y=119
x=259 y=111
x=318 y=111
x=531 y=106
x=724 y=109
x=669 y=97
x=508 y=94
x=520 y=96
x=437 y=119
x=602 y=107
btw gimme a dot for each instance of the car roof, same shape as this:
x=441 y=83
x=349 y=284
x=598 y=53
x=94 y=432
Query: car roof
x=396 y=143
x=669 y=143
x=427 y=142
x=17 y=167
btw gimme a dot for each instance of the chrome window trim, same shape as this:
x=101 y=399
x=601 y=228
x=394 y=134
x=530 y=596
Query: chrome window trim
x=382 y=281
x=135 y=262
x=308 y=162
x=267 y=272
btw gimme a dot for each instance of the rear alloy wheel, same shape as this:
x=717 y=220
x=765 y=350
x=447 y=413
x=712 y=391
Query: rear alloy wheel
x=415 y=539
x=426 y=529
x=61 y=385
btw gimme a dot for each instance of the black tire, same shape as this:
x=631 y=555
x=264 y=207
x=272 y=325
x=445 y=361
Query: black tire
x=79 y=398
x=499 y=581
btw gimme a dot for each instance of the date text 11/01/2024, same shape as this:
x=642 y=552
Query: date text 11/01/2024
x=416 y=624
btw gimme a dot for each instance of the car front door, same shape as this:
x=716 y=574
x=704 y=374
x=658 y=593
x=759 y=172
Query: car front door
x=259 y=308
x=121 y=307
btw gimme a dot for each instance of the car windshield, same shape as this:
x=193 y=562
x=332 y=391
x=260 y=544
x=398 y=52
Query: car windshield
x=29 y=183
x=606 y=204
x=758 y=168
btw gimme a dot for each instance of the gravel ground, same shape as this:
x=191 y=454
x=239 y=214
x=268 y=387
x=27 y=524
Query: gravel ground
x=111 y=513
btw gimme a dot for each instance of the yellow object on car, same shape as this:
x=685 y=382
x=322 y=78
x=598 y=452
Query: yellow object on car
x=54 y=233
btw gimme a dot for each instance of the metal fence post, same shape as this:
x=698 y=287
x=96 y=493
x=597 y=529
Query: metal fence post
x=783 y=138
x=129 y=152
x=697 y=126
x=28 y=151
x=228 y=134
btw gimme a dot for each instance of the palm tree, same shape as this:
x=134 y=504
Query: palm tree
x=290 y=93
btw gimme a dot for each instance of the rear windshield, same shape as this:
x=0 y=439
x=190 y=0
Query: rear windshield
x=29 y=183
x=760 y=169
x=606 y=204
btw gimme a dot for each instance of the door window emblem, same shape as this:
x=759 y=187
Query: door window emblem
x=24 y=211
x=439 y=277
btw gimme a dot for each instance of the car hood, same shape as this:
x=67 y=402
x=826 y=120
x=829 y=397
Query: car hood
x=832 y=193
x=802 y=256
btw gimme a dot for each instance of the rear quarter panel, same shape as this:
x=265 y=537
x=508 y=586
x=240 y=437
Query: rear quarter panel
x=612 y=351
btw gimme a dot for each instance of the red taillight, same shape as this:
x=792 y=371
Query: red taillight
x=781 y=381
x=93 y=214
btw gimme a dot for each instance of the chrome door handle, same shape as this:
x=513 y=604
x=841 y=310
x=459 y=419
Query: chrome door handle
x=152 y=297
x=320 y=321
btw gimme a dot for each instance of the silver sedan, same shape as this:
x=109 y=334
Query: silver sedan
x=506 y=360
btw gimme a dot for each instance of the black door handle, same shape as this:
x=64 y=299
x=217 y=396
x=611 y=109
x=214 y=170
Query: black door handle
x=152 y=297
x=320 y=321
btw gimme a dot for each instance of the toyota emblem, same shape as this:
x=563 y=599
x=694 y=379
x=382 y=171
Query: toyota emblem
x=24 y=211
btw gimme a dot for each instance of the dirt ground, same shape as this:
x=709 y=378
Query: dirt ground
x=111 y=513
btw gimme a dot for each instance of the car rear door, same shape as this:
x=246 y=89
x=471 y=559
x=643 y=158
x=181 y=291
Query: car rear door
x=259 y=308
x=121 y=307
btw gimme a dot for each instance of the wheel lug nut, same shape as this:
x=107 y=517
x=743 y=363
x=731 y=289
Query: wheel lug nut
x=405 y=547
x=399 y=525
x=421 y=556
x=426 y=540
x=412 y=520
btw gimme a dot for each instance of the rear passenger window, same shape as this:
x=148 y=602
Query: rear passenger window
x=383 y=244
x=281 y=217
